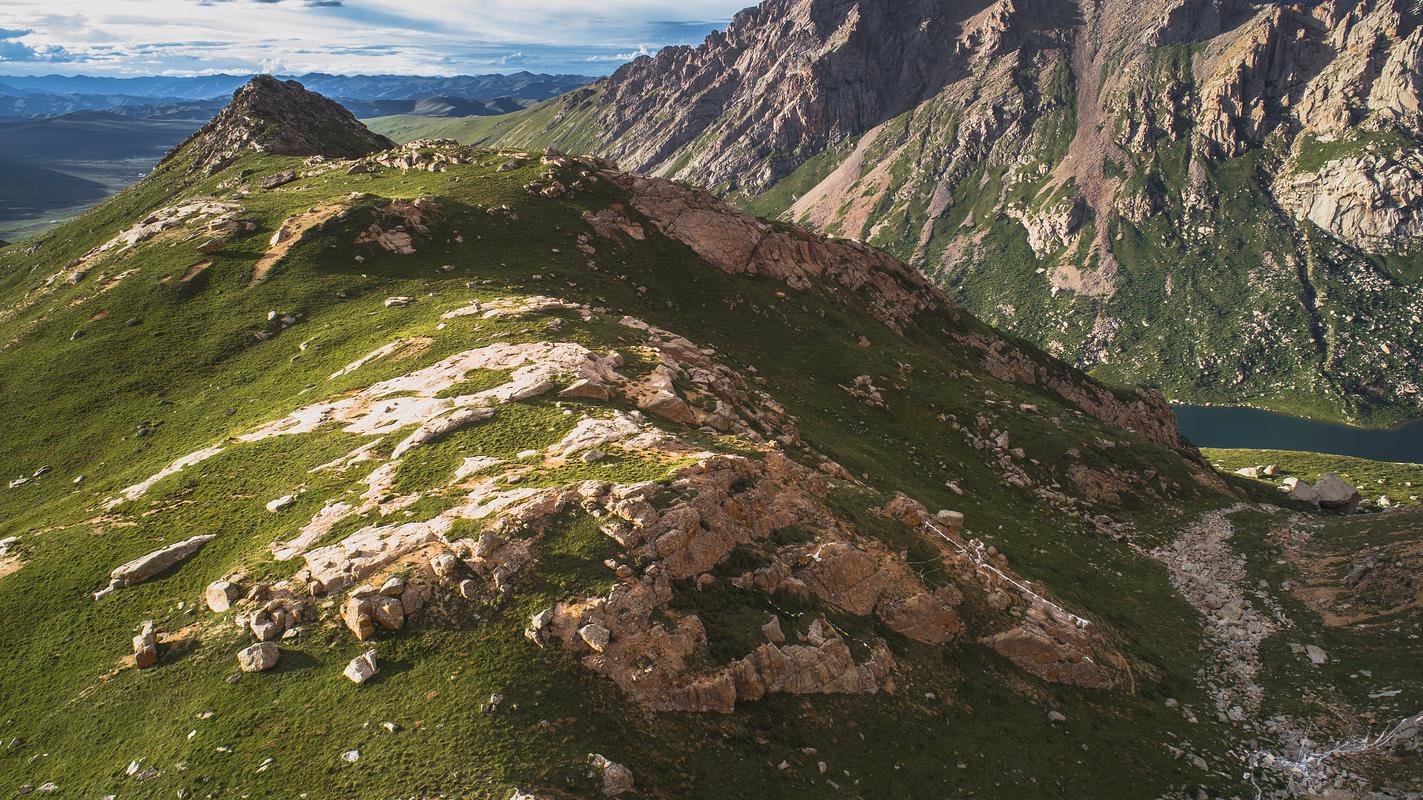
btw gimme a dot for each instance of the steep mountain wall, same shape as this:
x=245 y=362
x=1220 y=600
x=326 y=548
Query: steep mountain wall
x=1220 y=197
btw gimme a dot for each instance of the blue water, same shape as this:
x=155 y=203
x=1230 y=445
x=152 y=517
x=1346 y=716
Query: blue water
x=1265 y=430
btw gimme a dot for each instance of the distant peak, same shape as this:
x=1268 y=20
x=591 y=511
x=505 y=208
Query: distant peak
x=269 y=115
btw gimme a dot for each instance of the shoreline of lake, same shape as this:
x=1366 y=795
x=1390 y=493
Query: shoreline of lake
x=1241 y=427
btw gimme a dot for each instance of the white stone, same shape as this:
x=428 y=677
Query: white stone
x=362 y=668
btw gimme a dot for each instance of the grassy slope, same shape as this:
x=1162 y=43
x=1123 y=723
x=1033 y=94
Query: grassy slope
x=538 y=126
x=1400 y=482
x=190 y=368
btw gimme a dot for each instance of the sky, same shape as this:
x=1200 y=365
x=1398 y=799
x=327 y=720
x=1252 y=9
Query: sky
x=413 y=37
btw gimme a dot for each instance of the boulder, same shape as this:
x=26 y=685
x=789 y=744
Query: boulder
x=1316 y=654
x=617 y=779
x=145 y=646
x=362 y=668
x=147 y=566
x=445 y=565
x=1336 y=494
x=1301 y=491
x=387 y=612
x=279 y=179
x=358 y=615
x=258 y=658
x=221 y=595
x=595 y=636
x=949 y=521
x=281 y=503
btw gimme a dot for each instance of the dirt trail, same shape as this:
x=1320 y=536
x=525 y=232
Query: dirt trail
x=289 y=234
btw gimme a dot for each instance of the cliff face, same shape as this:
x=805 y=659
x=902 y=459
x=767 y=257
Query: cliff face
x=1217 y=196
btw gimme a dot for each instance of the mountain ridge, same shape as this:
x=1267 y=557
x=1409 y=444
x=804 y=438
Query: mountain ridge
x=1071 y=177
x=446 y=471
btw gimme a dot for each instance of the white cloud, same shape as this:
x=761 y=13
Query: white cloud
x=619 y=58
x=428 y=37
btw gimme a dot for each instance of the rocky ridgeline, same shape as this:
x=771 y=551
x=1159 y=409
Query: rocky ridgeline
x=677 y=534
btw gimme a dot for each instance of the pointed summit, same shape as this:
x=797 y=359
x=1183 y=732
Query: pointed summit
x=282 y=118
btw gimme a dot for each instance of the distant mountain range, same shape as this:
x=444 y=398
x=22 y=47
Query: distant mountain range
x=38 y=92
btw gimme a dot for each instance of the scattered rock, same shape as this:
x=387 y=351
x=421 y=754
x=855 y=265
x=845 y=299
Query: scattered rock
x=145 y=646
x=220 y=595
x=258 y=658
x=595 y=636
x=362 y=668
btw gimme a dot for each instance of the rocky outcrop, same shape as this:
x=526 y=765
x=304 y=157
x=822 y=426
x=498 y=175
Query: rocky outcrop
x=738 y=243
x=1372 y=202
x=1052 y=651
x=400 y=223
x=1144 y=412
x=1185 y=21
x=152 y=564
x=281 y=118
x=1052 y=227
